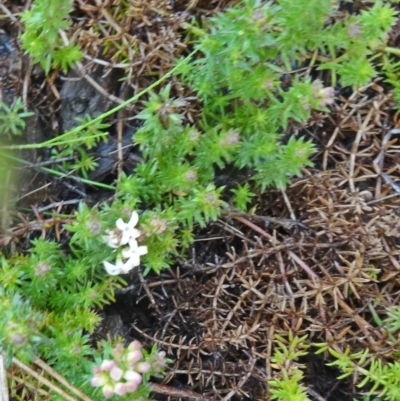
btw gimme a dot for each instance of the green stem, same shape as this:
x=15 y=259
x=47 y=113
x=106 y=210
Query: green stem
x=392 y=50
x=58 y=173
x=56 y=141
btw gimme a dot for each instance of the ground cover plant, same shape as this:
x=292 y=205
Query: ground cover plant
x=262 y=88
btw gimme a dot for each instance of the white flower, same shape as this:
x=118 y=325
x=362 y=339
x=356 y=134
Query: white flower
x=123 y=233
x=114 y=270
x=128 y=257
x=133 y=254
x=128 y=229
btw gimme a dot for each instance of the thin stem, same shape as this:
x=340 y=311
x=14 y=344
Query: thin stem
x=56 y=141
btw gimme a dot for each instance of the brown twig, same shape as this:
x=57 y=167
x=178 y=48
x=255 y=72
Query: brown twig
x=180 y=393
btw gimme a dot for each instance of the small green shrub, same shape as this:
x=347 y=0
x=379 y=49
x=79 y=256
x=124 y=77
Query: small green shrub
x=12 y=118
x=287 y=386
x=380 y=378
x=41 y=39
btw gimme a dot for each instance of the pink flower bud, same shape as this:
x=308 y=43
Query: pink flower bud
x=143 y=367
x=118 y=349
x=120 y=389
x=134 y=356
x=116 y=373
x=97 y=370
x=131 y=387
x=97 y=381
x=108 y=390
x=107 y=365
x=159 y=361
x=133 y=377
x=134 y=346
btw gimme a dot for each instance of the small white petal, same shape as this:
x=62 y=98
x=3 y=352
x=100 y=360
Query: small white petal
x=111 y=269
x=128 y=234
x=127 y=253
x=128 y=229
x=142 y=250
x=133 y=244
x=132 y=262
x=121 y=225
x=134 y=220
x=125 y=237
x=134 y=233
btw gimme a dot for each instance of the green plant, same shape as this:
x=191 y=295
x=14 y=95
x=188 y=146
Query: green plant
x=75 y=146
x=20 y=325
x=287 y=386
x=64 y=290
x=392 y=321
x=378 y=377
x=41 y=39
x=237 y=77
x=255 y=80
x=12 y=118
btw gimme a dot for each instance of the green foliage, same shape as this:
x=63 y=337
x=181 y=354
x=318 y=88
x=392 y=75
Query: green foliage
x=378 y=377
x=368 y=398
x=271 y=38
x=63 y=286
x=288 y=386
x=75 y=147
x=254 y=79
x=242 y=196
x=12 y=118
x=20 y=326
x=246 y=78
x=392 y=73
x=41 y=39
x=392 y=322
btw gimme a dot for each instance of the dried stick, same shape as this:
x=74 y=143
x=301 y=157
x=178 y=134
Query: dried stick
x=3 y=380
x=156 y=340
x=43 y=380
x=37 y=226
x=176 y=392
x=315 y=394
x=354 y=149
x=364 y=326
x=61 y=379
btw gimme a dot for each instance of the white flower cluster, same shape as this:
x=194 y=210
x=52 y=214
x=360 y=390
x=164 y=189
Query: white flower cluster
x=124 y=237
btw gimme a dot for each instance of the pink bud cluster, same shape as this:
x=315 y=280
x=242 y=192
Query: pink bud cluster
x=122 y=374
x=325 y=96
x=158 y=362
